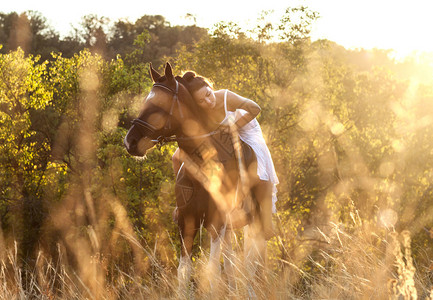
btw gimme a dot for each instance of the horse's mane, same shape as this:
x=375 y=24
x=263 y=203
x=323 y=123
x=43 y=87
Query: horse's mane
x=197 y=111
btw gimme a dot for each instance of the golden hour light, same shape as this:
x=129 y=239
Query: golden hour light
x=225 y=150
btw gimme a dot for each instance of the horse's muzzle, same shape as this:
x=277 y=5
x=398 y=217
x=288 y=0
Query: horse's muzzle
x=138 y=148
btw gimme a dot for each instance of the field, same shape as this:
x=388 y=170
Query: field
x=350 y=133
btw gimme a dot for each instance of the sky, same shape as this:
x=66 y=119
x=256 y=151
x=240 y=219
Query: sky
x=400 y=25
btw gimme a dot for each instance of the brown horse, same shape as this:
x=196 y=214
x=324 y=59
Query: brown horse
x=209 y=185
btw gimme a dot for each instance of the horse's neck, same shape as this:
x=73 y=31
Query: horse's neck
x=198 y=140
x=217 y=145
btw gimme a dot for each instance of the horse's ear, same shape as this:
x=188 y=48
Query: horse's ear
x=168 y=71
x=154 y=74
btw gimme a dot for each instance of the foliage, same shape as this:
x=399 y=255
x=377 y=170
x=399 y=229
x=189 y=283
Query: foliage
x=24 y=149
x=32 y=32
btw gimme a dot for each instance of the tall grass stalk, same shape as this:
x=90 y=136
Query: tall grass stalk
x=360 y=264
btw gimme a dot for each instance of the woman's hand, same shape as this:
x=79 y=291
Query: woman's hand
x=234 y=102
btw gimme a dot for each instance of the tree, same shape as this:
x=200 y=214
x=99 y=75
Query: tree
x=24 y=149
x=29 y=31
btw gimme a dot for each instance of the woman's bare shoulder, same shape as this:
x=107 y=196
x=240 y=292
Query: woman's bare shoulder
x=220 y=92
x=231 y=96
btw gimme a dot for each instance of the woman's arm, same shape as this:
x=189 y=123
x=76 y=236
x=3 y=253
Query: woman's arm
x=234 y=101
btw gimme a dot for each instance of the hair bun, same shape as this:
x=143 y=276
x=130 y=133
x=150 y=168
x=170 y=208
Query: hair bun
x=188 y=76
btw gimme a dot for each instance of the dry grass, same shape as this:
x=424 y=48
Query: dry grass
x=358 y=265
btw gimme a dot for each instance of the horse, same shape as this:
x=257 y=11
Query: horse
x=212 y=186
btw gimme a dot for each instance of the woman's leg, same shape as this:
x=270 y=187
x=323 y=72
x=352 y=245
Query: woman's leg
x=263 y=193
x=176 y=161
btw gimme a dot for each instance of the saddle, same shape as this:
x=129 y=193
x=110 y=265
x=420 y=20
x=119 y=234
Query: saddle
x=220 y=156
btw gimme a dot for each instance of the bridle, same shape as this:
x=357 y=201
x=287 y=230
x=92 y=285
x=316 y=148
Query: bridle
x=167 y=126
x=162 y=139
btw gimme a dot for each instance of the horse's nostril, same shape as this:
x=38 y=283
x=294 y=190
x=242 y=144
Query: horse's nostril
x=130 y=144
x=133 y=145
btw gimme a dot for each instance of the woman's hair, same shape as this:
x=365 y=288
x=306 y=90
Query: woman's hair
x=194 y=82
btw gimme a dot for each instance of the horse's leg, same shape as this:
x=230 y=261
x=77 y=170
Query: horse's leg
x=263 y=228
x=254 y=254
x=229 y=260
x=213 y=267
x=249 y=260
x=187 y=232
x=184 y=273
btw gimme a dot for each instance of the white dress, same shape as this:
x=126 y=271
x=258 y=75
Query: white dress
x=252 y=134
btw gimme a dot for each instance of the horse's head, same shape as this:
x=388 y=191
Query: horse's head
x=157 y=117
x=168 y=110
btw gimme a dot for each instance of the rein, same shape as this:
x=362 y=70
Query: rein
x=163 y=139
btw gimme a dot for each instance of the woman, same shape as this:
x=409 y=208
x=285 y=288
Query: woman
x=224 y=107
